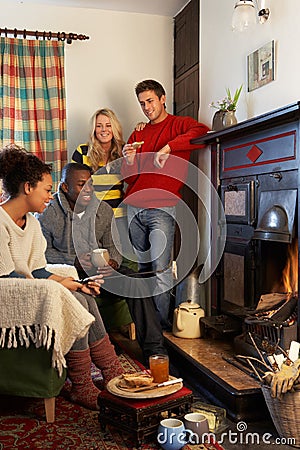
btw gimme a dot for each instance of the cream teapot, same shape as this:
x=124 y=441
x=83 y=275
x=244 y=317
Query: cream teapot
x=186 y=320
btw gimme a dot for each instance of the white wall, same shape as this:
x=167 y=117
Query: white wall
x=126 y=47
x=224 y=57
x=123 y=49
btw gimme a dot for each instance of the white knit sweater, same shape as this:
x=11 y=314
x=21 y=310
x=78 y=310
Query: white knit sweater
x=21 y=250
x=35 y=311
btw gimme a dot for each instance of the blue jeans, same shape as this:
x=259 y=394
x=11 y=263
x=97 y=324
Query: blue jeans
x=151 y=232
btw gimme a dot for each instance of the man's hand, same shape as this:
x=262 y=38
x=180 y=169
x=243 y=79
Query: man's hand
x=161 y=156
x=129 y=153
x=108 y=270
x=83 y=262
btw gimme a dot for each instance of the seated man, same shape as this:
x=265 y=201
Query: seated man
x=60 y=220
x=75 y=223
x=70 y=233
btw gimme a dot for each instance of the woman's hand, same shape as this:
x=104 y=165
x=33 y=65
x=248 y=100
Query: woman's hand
x=92 y=287
x=69 y=283
x=140 y=126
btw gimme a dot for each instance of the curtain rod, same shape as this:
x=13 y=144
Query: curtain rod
x=60 y=36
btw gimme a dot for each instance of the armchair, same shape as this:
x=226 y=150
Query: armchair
x=39 y=322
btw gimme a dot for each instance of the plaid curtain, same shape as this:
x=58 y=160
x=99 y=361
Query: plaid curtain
x=32 y=99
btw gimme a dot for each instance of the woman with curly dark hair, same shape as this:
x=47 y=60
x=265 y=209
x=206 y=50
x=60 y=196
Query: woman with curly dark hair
x=27 y=185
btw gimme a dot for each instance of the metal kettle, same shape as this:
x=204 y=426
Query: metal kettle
x=186 y=320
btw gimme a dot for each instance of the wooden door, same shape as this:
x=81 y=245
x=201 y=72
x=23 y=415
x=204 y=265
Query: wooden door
x=186 y=84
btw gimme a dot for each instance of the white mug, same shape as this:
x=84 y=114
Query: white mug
x=171 y=434
x=100 y=257
x=196 y=425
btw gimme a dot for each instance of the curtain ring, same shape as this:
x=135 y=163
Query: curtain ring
x=24 y=34
x=63 y=36
x=36 y=34
x=5 y=31
x=44 y=35
x=15 y=33
x=49 y=37
x=70 y=38
x=58 y=36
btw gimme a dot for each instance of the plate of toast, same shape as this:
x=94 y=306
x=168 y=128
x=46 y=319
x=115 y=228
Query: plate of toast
x=141 y=385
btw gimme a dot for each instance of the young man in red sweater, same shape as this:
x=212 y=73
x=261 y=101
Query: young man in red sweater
x=155 y=168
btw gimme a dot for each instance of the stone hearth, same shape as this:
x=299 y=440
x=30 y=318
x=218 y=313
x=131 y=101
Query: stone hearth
x=201 y=364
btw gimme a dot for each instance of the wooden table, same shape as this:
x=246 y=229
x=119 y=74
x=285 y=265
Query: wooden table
x=142 y=417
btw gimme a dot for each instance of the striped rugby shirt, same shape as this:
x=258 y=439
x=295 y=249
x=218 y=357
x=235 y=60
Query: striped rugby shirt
x=107 y=181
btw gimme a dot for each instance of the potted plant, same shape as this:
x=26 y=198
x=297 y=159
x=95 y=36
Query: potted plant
x=225 y=115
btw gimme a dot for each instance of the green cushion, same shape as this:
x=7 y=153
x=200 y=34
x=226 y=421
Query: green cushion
x=29 y=373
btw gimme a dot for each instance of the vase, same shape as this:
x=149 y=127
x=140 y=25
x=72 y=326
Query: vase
x=229 y=119
x=217 y=122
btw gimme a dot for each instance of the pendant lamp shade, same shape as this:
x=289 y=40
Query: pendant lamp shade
x=244 y=15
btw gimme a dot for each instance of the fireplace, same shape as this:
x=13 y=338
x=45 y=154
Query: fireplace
x=260 y=216
x=255 y=170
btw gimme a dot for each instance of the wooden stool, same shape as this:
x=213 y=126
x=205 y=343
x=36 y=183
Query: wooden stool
x=142 y=417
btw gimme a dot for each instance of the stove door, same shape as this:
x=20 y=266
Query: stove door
x=238 y=281
x=239 y=201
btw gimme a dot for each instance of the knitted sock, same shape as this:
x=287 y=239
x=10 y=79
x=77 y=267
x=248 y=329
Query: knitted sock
x=83 y=390
x=105 y=358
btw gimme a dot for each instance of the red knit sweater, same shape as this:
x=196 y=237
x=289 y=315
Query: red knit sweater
x=152 y=187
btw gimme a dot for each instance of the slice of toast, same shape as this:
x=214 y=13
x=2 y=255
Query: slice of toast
x=134 y=380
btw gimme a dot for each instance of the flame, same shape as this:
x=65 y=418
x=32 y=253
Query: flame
x=290 y=272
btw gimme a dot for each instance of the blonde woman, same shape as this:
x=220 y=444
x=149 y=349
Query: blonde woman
x=103 y=153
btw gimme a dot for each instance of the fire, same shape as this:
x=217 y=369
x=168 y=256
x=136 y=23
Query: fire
x=290 y=272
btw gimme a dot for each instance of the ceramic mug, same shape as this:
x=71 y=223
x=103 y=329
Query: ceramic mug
x=196 y=425
x=171 y=434
x=100 y=257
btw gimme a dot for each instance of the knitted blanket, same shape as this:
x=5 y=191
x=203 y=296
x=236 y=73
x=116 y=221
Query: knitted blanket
x=42 y=312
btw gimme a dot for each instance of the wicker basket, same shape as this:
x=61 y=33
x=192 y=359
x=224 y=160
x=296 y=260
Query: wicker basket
x=284 y=413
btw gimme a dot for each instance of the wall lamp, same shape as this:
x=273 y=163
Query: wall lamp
x=245 y=14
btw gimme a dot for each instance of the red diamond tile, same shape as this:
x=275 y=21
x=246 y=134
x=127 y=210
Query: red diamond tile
x=254 y=153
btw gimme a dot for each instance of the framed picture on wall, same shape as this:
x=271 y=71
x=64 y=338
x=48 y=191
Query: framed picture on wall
x=261 y=66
